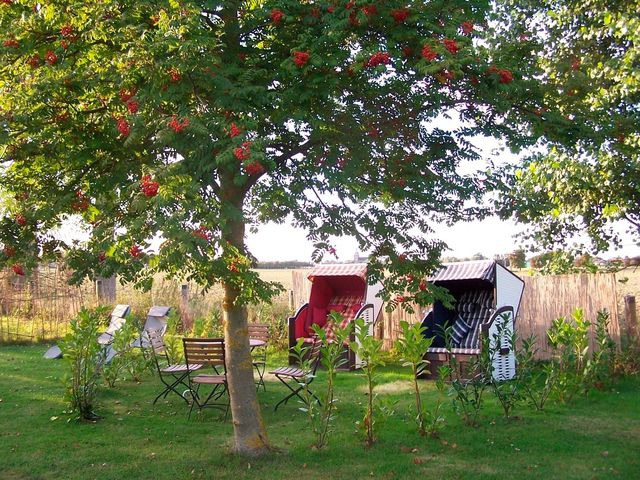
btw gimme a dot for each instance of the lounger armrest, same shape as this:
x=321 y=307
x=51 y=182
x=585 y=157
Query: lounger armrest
x=291 y=325
x=497 y=314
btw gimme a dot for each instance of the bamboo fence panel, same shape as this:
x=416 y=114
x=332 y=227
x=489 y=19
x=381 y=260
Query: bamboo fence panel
x=549 y=297
x=545 y=299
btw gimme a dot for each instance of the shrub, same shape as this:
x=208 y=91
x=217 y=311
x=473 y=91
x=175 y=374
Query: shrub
x=332 y=357
x=411 y=346
x=369 y=349
x=536 y=381
x=85 y=357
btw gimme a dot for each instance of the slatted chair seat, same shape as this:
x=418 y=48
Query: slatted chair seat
x=210 y=379
x=207 y=352
x=298 y=379
x=290 y=371
x=181 y=368
x=171 y=375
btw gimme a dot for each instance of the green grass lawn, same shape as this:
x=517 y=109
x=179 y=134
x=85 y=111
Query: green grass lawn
x=595 y=437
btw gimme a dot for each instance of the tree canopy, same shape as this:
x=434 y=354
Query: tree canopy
x=591 y=55
x=189 y=121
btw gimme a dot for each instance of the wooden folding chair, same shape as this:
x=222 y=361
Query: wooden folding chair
x=171 y=375
x=298 y=379
x=206 y=352
x=259 y=332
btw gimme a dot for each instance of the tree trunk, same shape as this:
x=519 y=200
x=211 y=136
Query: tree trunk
x=250 y=435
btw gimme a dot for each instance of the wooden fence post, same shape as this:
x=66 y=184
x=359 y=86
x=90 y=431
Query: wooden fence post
x=292 y=305
x=106 y=289
x=185 y=311
x=631 y=316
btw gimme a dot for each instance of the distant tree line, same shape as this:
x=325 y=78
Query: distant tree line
x=287 y=264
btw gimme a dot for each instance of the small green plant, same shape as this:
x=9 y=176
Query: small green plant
x=210 y=326
x=411 y=346
x=570 y=343
x=85 y=357
x=332 y=357
x=468 y=387
x=369 y=349
x=121 y=343
x=601 y=370
x=536 y=381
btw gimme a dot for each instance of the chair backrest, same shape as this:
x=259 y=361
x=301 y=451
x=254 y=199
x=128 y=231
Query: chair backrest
x=259 y=331
x=153 y=340
x=204 y=351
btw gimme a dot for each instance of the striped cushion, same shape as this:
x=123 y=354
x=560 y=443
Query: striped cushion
x=459 y=331
x=482 y=300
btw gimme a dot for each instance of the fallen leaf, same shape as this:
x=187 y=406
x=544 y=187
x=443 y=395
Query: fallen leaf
x=418 y=461
x=605 y=454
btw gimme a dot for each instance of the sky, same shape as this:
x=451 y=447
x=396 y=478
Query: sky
x=489 y=237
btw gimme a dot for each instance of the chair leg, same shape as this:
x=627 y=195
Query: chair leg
x=260 y=368
x=295 y=391
x=171 y=387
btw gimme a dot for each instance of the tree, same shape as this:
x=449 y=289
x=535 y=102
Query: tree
x=590 y=53
x=517 y=258
x=185 y=122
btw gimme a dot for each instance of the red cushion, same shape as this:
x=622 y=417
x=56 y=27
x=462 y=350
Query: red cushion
x=319 y=318
x=355 y=308
x=336 y=307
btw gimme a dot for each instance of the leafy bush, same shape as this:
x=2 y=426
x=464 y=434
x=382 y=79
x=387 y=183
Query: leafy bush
x=122 y=344
x=411 y=346
x=536 y=381
x=570 y=343
x=86 y=358
x=369 y=349
x=332 y=357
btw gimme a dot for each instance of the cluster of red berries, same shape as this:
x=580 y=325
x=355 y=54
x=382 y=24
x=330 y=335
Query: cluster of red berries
x=276 y=16
x=254 y=168
x=243 y=152
x=174 y=75
x=123 y=126
x=203 y=233
x=376 y=59
x=451 y=45
x=21 y=220
x=11 y=43
x=135 y=251
x=149 y=187
x=176 y=125
x=300 y=58
x=400 y=14
x=50 y=57
x=81 y=203
x=234 y=131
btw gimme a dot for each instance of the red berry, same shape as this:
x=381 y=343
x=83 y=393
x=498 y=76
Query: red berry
x=125 y=94
x=244 y=152
x=330 y=9
x=174 y=75
x=234 y=131
x=276 y=16
x=21 y=220
x=102 y=256
x=400 y=15
x=9 y=251
x=423 y=285
x=378 y=59
x=11 y=43
x=466 y=27
x=300 y=58
x=149 y=187
x=401 y=298
x=50 y=57
x=123 y=127
x=428 y=53
x=66 y=31
x=178 y=126
x=254 y=168
x=34 y=61
x=133 y=106
x=505 y=75
x=451 y=45
x=17 y=269
x=135 y=251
